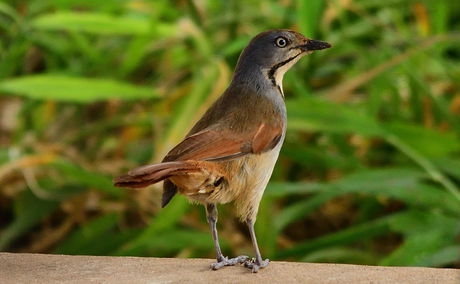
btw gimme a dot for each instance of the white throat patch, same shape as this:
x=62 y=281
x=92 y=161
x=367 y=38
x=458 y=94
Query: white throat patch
x=276 y=75
x=279 y=73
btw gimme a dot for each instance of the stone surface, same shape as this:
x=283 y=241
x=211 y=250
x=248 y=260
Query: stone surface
x=41 y=268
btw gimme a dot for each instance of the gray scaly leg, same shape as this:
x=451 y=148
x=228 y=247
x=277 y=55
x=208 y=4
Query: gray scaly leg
x=211 y=213
x=255 y=263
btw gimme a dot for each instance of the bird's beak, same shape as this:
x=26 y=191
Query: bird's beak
x=314 y=45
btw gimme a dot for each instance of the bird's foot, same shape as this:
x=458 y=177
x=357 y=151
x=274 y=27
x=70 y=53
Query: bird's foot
x=225 y=261
x=255 y=265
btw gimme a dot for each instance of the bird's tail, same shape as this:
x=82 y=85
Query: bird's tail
x=150 y=174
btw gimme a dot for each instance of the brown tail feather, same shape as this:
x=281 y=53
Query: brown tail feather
x=150 y=174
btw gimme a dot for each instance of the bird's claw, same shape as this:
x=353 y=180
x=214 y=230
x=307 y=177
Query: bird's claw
x=255 y=265
x=225 y=261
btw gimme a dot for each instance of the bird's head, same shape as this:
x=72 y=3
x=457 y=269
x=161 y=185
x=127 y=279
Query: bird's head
x=275 y=51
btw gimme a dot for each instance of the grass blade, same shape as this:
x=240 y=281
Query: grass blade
x=73 y=89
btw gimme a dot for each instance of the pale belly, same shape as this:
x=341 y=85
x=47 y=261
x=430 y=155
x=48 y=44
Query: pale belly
x=247 y=187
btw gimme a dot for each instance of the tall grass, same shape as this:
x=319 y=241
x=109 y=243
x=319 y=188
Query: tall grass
x=369 y=173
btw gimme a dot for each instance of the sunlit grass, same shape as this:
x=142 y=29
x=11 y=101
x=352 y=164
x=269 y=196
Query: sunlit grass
x=369 y=172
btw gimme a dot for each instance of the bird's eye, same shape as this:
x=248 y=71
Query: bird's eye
x=281 y=42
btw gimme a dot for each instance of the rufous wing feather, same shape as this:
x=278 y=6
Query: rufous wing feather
x=213 y=145
x=208 y=145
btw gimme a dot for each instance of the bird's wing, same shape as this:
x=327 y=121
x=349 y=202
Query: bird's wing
x=215 y=145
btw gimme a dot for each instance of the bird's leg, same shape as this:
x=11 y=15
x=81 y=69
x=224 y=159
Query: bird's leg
x=211 y=213
x=255 y=263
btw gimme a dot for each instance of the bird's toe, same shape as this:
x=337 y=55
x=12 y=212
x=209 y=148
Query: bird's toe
x=225 y=261
x=255 y=265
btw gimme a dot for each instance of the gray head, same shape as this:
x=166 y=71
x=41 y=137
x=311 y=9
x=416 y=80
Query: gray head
x=272 y=53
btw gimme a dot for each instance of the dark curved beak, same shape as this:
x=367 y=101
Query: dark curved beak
x=314 y=45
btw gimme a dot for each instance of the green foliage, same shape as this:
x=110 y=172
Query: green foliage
x=320 y=118
x=95 y=23
x=28 y=212
x=370 y=169
x=97 y=237
x=62 y=88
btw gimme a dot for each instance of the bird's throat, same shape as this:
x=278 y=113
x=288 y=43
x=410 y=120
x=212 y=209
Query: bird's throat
x=276 y=73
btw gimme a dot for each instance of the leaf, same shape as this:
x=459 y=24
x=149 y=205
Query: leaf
x=300 y=209
x=101 y=24
x=81 y=176
x=416 y=222
x=442 y=257
x=411 y=222
x=9 y=11
x=165 y=220
x=449 y=165
x=29 y=211
x=266 y=236
x=398 y=183
x=365 y=181
x=281 y=189
x=352 y=234
x=317 y=115
x=377 y=180
x=428 y=142
x=12 y=57
x=425 y=163
x=187 y=112
x=314 y=158
x=97 y=237
x=421 y=244
x=403 y=184
x=309 y=15
x=87 y=233
x=178 y=239
x=235 y=46
x=73 y=89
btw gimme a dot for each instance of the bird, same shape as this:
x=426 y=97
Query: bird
x=230 y=153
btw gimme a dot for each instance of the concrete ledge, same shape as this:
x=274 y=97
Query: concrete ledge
x=41 y=268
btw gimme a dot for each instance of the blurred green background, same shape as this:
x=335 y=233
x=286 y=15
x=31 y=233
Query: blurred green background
x=369 y=173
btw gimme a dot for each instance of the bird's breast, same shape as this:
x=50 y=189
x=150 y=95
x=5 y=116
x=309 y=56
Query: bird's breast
x=250 y=174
